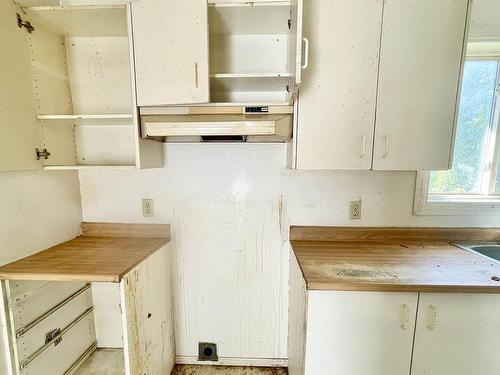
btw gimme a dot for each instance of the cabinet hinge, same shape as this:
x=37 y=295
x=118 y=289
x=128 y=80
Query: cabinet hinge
x=42 y=154
x=26 y=24
x=289 y=24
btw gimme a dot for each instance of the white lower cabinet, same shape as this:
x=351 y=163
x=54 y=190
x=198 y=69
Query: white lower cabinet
x=359 y=333
x=457 y=334
x=391 y=333
x=51 y=327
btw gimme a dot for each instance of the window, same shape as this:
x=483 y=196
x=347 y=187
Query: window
x=475 y=175
x=475 y=160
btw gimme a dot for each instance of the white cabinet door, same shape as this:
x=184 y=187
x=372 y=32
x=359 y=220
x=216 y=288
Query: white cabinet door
x=359 y=333
x=296 y=41
x=420 y=64
x=19 y=133
x=338 y=95
x=171 y=51
x=457 y=334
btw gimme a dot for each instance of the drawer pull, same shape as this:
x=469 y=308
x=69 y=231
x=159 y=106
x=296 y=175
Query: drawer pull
x=196 y=75
x=306 y=53
x=386 y=146
x=363 y=146
x=405 y=316
x=432 y=318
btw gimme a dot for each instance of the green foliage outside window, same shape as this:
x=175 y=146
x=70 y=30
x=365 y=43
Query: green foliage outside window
x=473 y=131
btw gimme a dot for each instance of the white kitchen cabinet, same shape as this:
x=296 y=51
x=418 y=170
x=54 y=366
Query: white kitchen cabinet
x=338 y=95
x=171 y=51
x=457 y=334
x=420 y=64
x=73 y=317
x=382 y=84
x=348 y=332
x=217 y=52
x=359 y=333
x=68 y=91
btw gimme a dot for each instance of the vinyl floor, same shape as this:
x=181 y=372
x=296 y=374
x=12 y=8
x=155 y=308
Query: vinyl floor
x=227 y=370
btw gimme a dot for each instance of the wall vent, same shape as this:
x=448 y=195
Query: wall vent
x=207 y=352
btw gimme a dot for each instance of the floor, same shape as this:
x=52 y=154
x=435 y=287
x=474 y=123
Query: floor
x=110 y=362
x=103 y=362
x=227 y=370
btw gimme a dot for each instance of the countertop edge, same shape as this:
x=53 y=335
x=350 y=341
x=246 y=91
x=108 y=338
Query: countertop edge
x=153 y=250
x=416 y=288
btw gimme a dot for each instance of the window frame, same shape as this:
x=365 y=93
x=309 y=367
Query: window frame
x=468 y=204
x=453 y=205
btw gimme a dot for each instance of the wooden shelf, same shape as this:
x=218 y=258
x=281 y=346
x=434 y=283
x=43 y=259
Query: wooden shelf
x=250 y=75
x=239 y=3
x=84 y=117
x=86 y=167
x=245 y=104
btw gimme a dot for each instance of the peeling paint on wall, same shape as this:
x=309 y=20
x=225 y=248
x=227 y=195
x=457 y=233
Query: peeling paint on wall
x=230 y=208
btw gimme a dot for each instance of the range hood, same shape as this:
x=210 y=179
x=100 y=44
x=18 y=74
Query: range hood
x=218 y=123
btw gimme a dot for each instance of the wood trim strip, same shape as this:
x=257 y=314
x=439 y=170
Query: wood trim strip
x=389 y=234
x=402 y=288
x=96 y=229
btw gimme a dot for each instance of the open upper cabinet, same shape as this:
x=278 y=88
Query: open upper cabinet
x=68 y=97
x=217 y=52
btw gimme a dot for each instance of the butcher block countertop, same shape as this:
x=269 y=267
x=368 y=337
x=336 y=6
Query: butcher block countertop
x=394 y=259
x=104 y=252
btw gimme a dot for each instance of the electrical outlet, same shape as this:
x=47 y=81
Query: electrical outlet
x=148 y=208
x=355 y=209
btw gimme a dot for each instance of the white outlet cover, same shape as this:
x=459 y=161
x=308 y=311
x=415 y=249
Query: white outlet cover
x=148 y=209
x=355 y=209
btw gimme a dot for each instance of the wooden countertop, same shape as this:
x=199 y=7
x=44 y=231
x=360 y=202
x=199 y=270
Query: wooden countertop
x=394 y=259
x=104 y=252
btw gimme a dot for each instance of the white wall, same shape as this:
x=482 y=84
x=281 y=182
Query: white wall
x=230 y=265
x=230 y=207
x=37 y=210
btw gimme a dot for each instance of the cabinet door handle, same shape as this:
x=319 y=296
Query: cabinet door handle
x=405 y=316
x=306 y=53
x=431 y=325
x=386 y=146
x=196 y=75
x=363 y=146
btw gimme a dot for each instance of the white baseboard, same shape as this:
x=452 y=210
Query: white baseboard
x=229 y=361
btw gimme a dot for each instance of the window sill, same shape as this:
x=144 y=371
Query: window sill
x=424 y=205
